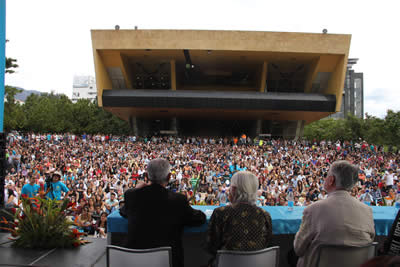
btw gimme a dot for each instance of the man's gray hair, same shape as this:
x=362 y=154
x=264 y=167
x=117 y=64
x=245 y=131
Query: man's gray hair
x=158 y=170
x=346 y=174
x=246 y=185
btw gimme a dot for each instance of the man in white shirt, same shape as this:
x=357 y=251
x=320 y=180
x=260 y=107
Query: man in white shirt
x=112 y=201
x=340 y=219
x=368 y=171
x=389 y=177
x=179 y=175
x=275 y=193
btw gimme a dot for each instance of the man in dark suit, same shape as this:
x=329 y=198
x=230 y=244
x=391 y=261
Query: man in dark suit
x=157 y=216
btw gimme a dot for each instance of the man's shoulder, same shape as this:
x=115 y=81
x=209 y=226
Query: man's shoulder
x=151 y=190
x=134 y=191
x=176 y=196
x=361 y=206
x=130 y=191
x=330 y=202
x=320 y=204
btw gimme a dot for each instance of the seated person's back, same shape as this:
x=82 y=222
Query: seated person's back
x=157 y=216
x=340 y=219
x=241 y=226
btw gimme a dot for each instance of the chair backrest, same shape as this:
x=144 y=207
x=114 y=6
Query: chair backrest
x=154 y=257
x=345 y=256
x=259 y=258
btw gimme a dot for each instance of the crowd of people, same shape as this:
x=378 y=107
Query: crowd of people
x=95 y=170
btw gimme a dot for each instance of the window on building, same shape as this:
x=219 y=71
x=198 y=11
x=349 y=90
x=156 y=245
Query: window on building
x=357 y=83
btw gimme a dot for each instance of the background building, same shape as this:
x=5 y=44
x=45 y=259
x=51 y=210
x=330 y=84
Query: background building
x=353 y=93
x=84 y=87
x=221 y=83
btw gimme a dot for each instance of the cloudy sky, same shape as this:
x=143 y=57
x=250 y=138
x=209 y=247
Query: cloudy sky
x=51 y=39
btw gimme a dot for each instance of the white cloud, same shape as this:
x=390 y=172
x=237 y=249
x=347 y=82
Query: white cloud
x=51 y=39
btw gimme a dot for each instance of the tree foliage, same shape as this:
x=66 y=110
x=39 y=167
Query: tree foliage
x=11 y=64
x=52 y=113
x=11 y=108
x=374 y=130
x=57 y=114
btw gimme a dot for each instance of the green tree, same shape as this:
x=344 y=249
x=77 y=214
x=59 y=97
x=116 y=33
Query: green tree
x=10 y=108
x=354 y=127
x=374 y=130
x=10 y=64
x=392 y=126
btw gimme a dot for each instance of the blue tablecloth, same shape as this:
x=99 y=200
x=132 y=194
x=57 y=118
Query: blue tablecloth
x=283 y=220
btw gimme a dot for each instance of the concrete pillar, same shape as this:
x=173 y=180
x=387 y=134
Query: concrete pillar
x=173 y=75
x=134 y=125
x=258 y=127
x=263 y=82
x=288 y=129
x=174 y=122
x=299 y=129
x=174 y=125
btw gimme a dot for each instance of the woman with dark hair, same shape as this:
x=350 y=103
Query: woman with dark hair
x=210 y=195
x=80 y=189
x=91 y=204
x=98 y=200
x=12 y=200
x=101 y=184
x=107 y=188
x=84 y=220
x=300 y=187
x=88 y=193
x=203 y=184
x=101 y=226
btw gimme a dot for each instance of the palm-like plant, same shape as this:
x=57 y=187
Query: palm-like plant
x=43 y=223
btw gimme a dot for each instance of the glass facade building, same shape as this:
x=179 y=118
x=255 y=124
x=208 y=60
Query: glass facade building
x=353 y=93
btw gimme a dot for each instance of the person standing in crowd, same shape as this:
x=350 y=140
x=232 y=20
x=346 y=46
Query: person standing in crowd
x=156 y=216
x=54 y=191
x=389 y=178
x=339 y=219
x=241 y=226
x=31 y=189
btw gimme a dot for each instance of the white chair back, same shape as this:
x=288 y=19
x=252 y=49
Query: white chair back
x=154 y=257
x=259 y=258
x=345 y=256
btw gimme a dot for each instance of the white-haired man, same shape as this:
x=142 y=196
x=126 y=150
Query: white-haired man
x=340 y=219
x=156 y=216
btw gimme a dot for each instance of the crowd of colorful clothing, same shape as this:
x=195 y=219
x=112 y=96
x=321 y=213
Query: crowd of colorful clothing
x=96 y=170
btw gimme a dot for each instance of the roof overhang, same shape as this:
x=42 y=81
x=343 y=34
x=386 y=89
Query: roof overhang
x=251 y=105
x=324 y=55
